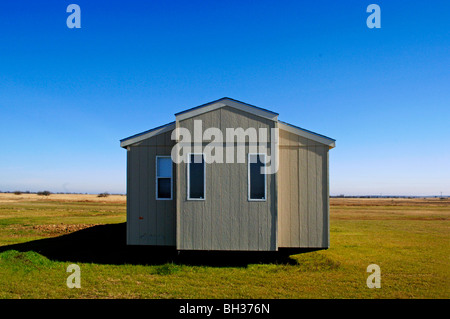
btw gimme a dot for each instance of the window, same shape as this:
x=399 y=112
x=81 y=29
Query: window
x=163 y=177
x=196 y=177
x=256 y=178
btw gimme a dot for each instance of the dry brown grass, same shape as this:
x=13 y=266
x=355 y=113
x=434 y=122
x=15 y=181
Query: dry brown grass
x=407 y=238
x=12 y=198
x=390 y=201
x=390 y=208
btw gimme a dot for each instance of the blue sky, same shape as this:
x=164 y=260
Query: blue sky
x=67 y=96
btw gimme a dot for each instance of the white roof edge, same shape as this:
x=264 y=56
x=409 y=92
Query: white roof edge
x=227 y=102
x=309 y=135
x=140 y=137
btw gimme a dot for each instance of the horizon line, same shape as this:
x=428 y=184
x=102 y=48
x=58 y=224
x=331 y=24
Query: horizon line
x=331 y=196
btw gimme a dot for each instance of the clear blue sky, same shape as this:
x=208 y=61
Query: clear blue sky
x=67 y=96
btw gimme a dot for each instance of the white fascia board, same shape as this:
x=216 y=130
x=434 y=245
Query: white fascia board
x=143 y=136
x=227 y=102
x=298 y=131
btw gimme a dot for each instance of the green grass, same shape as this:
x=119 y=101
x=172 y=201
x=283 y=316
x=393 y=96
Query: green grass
x=409 y=243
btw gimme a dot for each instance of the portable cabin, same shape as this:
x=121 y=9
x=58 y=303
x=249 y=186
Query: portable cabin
x=199 y=204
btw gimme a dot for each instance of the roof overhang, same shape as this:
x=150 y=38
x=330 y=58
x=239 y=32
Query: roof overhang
x=307 y=134
x=234 y=104
x=211 y=106
x=147 y=134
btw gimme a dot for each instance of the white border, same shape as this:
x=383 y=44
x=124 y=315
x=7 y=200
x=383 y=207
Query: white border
x=171 y=177
x=188 y=176
x=248 y=179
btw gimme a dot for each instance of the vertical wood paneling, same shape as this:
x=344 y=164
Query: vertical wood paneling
x=242 y=186
x=226 y=220
x=180 y=195
x=312 y=181
x=185 y=216
x=233 y=194
x=151 y=219
x=196 y=224
x=235 y=208
x=133 y=198
x=143 y=195
x=226 y=209
x=170 y=213
x=129 y=187
x=294 y=193
x=170 y=205
x=229 y=221
x=319 y=198
x=254 y=209
x=268 y=240
x=326 y=194
x=283 y=203
x=161 y=205
x=303 y=194
x=208 y=205
x=182 y=218
x=273 y=213
x=214 y=186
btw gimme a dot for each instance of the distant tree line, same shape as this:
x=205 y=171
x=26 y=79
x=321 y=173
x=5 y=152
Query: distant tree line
x=105 y=194
x=383 y=196
x=43 y=193
x=47 y=193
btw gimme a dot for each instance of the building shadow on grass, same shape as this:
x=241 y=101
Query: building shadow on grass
x=106 y=244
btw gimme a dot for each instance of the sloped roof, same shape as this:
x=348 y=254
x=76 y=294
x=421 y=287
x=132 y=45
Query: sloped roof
x=147 y=134
x=307 y=134
x=226 y=101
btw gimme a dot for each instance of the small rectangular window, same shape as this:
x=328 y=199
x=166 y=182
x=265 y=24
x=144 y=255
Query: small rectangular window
x=256 y=178
x=163 y=177
x=196 y=177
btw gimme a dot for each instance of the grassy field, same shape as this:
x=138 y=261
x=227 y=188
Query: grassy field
x=40 y=236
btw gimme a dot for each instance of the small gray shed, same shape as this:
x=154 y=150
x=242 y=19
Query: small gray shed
x=197 y=204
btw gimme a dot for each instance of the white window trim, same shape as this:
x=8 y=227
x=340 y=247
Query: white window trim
x=171 y=177
x=248 y=179
x=189 y=177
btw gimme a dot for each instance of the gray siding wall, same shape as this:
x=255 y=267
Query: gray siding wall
x=303 y=194
x=149 y=221
x=226 y=220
